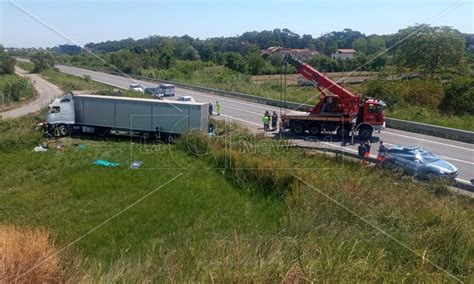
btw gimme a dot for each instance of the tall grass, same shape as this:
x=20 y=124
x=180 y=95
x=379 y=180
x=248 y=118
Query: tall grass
x=14 y=88
x=28 y=256
x=237 y=213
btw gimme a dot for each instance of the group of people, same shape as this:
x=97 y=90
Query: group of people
x=218 y=108
x=364 y=151
x=268 y=119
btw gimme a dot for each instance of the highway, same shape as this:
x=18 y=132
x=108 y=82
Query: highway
x=249 y=114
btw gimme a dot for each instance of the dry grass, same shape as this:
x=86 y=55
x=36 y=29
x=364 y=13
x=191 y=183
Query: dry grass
x=27 y=256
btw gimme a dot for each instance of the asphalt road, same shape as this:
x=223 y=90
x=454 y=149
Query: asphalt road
x=46 y=93
x=248 y=113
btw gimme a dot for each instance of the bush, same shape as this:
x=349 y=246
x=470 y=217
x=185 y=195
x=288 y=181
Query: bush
x=42 y=61
x=378 y=89
x=459 y=98
x=195 y=143
x=7 y=63
x=16 y=88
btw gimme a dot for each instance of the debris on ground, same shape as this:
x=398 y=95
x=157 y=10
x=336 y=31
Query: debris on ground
x=40 y=149
x=106 y=163
x=136 y=165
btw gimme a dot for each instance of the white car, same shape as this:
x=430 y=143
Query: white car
x=136 y=88
x=186 y=99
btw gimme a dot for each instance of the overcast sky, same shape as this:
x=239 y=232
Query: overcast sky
x=49 y=23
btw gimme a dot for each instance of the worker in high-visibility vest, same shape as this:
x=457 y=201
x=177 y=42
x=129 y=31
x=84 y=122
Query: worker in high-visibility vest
x=218 y=108
x=266 y=122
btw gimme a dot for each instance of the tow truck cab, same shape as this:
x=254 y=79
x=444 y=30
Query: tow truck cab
x=371 y=112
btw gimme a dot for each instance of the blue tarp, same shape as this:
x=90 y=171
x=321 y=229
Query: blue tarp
x=106 y=163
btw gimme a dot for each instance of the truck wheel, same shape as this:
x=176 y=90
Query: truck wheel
x=314 y=129
x=365 y=132
x=145 y=135
x=102 y=132
x=63 y=130
x=298 y=128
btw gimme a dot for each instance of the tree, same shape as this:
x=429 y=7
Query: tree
x=255 y=63
x=190 y=54
x=7 y=63
x=429 y=49
x=360 y=45
x=375 y=43
x=235 y=61
x=42 y=61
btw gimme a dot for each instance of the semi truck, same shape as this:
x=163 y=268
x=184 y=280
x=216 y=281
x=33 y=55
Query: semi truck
x=337 y=110
x=145 y=117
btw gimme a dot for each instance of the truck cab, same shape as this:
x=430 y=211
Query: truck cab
x=371 y=112
x=61 y=111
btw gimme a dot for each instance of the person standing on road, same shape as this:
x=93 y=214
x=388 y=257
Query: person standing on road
x=362 y=151
x=367 y=151
x=266 y=122
x=382 y=150
x=274 y=120
x=218 y=108
x=211 y=109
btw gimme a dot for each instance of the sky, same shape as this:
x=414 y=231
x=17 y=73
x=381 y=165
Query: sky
x=41 y=23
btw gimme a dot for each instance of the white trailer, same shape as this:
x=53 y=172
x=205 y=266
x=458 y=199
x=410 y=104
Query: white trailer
x=103 y=114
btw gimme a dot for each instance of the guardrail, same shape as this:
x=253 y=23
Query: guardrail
x=438 y=131
x=422 y=128
x=458 y=183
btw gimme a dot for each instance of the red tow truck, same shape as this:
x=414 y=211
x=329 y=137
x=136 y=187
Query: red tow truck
x=338 y=110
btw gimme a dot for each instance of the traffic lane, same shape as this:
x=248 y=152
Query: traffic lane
x=459 y=154
x=251 y=113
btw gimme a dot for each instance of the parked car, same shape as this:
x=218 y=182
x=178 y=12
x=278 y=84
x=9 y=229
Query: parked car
x=136 y=88
x=167 y=90
x=186 y=99
x=419 y=162
x=154 y=92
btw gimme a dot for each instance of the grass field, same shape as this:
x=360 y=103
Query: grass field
x=25 y=65
x=69 y=83
x=226 y=213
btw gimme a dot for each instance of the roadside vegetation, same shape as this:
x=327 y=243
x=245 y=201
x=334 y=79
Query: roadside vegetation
x=25 y=65
x=251 y=219
x=227 y=63
x=69 y=83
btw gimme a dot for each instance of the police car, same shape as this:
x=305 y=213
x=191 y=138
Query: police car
x=419 y=162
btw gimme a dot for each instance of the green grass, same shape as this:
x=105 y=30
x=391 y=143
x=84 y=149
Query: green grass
x=27 y=66
x=235 y=213
x=72 y=83
x=423 y=115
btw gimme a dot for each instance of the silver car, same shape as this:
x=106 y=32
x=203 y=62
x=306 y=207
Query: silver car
x=419 y=162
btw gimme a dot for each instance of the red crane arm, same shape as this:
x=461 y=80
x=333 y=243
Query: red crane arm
x=349 y=100
x=314 y=75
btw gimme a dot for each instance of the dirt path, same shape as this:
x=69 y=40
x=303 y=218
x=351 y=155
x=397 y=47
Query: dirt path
x=46 y=93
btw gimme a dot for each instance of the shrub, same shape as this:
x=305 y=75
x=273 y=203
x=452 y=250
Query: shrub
x=27 y=256
x=15 y=89
x=378 y=89
x=459 y=98
x=262 y=172
x=42 y=61
x=195 y=143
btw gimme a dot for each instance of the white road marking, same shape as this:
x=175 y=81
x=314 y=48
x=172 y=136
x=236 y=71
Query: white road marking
x=429 y=141
x=327 y=143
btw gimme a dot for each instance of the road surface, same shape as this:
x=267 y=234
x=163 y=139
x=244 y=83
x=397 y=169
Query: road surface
x=458 y=153
x=46 y=93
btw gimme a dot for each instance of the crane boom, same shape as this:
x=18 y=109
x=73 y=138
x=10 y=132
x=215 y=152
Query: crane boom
x=348 y=101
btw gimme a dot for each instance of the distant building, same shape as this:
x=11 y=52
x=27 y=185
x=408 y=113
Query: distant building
x=303 y=53
x=69 y=49
x=343 y=53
